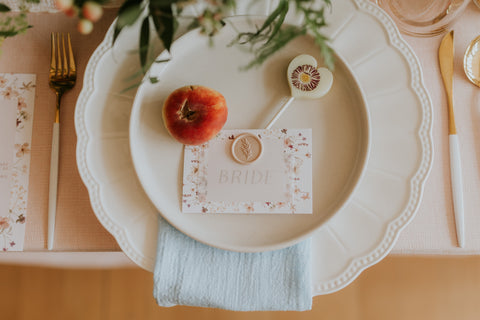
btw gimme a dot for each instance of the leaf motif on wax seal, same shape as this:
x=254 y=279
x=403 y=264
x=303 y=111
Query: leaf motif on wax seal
x=246 y=148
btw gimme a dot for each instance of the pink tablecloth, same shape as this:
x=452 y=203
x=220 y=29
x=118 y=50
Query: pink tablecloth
x=77 y=228
x=431 y=232
x=433 y=229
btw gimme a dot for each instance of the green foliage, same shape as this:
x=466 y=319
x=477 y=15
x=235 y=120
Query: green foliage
x=12 y=24
x=164 y=21
x=268 y=39
x=272 y=35
x=267 y=45
x=128 y=13
x=144 y=40
x=4 y=8
x=163 y=16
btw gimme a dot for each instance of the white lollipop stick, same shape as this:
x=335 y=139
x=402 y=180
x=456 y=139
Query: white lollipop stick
x=306 y=81
x=285 y=103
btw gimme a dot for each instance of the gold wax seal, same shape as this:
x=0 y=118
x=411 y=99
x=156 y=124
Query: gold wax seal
x=247 y=148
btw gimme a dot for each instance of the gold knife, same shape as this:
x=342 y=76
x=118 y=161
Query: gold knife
x=445 y=57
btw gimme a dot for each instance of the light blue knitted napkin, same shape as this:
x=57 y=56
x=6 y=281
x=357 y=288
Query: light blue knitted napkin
x=190 y=273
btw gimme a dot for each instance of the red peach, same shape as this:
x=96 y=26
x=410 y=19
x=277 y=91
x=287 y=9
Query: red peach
x=194 y=114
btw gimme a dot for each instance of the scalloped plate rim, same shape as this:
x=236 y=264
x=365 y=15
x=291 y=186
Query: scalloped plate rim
x=359 y=263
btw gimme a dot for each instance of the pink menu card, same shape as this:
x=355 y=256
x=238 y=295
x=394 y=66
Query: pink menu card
x=17 y=97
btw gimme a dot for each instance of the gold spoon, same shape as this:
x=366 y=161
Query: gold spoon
x=471 y=62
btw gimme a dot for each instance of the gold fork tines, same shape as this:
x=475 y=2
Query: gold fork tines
x=73 y=69
x=63 y=72
x=53 y=60
x=62 y=77
x=64 y=64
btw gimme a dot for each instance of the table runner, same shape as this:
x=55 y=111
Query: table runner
x=433 y=229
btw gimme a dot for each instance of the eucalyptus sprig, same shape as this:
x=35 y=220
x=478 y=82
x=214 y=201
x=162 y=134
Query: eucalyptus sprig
x=268 y=39
x=273 y=35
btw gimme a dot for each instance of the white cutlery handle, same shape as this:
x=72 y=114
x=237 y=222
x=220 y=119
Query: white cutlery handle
x=457 y=188
x=279 y=112
x=52 y=191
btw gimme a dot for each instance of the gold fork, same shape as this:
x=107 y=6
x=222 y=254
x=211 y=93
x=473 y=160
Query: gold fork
x=62 y=77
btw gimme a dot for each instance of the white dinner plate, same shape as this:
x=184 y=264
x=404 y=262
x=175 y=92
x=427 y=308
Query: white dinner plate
x=339 y=123
x=385 y=200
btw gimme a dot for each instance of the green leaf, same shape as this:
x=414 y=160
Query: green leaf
x=163 y=3
x=116 y=33
x=154 y=80
x=9 y=33
x=128 y=13
x=133 y=86
x=129 y=16
x=280 y=10
x=4 y=8
x=133 y=76
x=165 y=23
x=144 y=42
x=327 y=52
x=283 y=8
x=268 y=30
x=284 y=36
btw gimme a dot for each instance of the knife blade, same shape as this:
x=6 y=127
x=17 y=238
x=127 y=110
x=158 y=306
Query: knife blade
x=445 y=57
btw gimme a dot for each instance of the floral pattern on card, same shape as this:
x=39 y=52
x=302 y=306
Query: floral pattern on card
x=297 y=158
x=19 y=88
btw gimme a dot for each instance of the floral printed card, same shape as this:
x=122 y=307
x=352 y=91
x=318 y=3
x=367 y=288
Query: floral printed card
x=17 y=96
x=250 y=171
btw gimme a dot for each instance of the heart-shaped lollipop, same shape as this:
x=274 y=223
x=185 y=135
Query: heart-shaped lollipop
x=306 y=81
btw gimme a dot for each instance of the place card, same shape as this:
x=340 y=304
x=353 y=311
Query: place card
x=17 y=97
x=250 y=171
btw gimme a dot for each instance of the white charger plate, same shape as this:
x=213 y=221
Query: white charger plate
x=386 y=199
x=339 y=123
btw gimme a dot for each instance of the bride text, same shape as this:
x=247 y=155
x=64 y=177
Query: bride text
x=244 y=176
